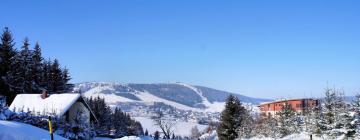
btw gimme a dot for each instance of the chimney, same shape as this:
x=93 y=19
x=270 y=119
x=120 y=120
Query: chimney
x=44 y=94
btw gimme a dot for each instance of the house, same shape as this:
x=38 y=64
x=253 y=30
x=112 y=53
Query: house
x=68 y=105
x=298 y=105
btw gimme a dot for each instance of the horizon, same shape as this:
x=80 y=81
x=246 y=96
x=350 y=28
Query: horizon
x=265 y=50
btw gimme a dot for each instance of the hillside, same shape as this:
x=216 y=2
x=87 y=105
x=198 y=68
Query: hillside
x=178 y=95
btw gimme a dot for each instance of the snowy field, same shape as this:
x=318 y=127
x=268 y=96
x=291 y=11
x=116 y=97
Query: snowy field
x=181 y=128
x=303 y=136
x=18 y=131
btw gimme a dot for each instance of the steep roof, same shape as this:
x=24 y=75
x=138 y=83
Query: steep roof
x=55 y=103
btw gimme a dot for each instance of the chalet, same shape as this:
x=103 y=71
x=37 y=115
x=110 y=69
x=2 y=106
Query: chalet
x=298 y=105
x=68 y=105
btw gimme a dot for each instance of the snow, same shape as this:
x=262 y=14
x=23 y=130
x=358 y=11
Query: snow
x=181 y=128
x=125 y=138
x=209 y=136
x=134 y=138
x=211 y=107
x=148 y=98
x=18 y=131
x=301 y=136
x=55 y=103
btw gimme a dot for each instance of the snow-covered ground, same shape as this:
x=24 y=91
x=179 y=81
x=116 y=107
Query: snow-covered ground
x=10 y=130
x=125 y=138
x=303 y=136
x=180 y=129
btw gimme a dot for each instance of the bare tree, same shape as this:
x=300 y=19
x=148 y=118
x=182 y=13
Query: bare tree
x=164 y=124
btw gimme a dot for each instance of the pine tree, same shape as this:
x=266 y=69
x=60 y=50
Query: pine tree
x=156 y=135
x=231 y=119
x=173 y=136
x=57 y=82
x=7 y=54
x=37 y=68
x=287 y=120
x=146 y=133
x=246 y=129
x=356 y=108
x=265 y=126
x=336 y=119
x=25 y=62
x=66 y=78
x=46 y=75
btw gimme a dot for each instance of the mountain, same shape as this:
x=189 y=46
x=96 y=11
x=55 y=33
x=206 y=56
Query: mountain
x=185 y=104
x=178 y=95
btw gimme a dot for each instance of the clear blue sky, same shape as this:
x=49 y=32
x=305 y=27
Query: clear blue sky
x=263 y=48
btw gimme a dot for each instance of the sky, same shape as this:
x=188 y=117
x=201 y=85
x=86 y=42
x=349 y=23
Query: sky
x=268 y=49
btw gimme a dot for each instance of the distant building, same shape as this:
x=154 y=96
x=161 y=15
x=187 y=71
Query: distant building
x=68 y=105
x=298 y=105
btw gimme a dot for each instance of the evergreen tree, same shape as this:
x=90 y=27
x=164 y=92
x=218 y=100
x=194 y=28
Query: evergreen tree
x=356 y=108
x=57 y=80
x=25 y=61
x=37 y=68
x=287 y=120
x=46 y=75
x=231 y=119
x=246 y=129
x=336 y=119
x=266 y=126
x=7 y=54
x=314 y=121
x=156 y=135
x=146 y=133
x=66 y=78
x=26 y=72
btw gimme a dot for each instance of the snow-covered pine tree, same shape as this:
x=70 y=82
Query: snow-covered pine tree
x=265 y=126
x=313 y=121
x=343 y=117
x=328 y=111
x=246 y=129
x=7 y=54
x=336 y=118
x=231 y=119
x=356 y=113
x=5 y=113
x=287 y=119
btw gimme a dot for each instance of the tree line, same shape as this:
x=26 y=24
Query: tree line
x=332 y=118
x=26 y=71
x=115 y=123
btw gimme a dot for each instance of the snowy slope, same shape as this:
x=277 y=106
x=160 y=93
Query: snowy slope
x=18 y=131
x=179 y=95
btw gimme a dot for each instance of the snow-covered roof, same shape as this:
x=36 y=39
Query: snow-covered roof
x=55 y=103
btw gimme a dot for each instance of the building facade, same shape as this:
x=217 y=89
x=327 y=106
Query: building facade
x=298 y=105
